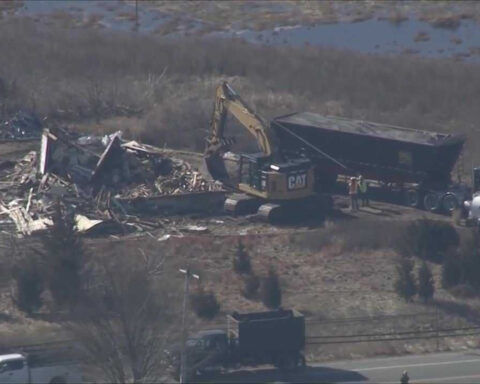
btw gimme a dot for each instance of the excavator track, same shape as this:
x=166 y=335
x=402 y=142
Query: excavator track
x=242 y=204
x=294 y=211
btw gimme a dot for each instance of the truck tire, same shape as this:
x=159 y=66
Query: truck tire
x=431 y=202
x=286 y=362
x=303 y=361
x=58 y=380
x=449 y=203
x=412 y=198
x=300 y=361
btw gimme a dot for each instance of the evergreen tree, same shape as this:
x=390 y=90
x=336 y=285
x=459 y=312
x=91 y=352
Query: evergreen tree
x=426 y=286
x=405 y=283
x=251 y=284
x=205 y=304
x=428 y=240
x=29 y=283
x=241 y=260
x=64 y=254
x=271 y=291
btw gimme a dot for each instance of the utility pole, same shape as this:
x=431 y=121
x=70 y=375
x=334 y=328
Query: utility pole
x=183 y=361
x=437 y=328
x=136 y=15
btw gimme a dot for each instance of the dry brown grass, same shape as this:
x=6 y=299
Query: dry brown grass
x=162 y=92
x=169 y=85
x=340 y=279
x=342 y=271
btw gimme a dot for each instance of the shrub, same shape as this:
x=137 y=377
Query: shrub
x=241 y=260
x=469 y=258
x=271 y=291
x=205 y=304
x=30 y=285
x=251 y=284
x=465 y=291
x=429 y=240
x=426 y=286
x=451 y=270
x=405 y=283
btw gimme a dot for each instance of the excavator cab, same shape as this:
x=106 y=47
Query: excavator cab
x=250 y=170
x=277 y=181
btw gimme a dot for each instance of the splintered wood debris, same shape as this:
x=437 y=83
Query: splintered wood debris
x=94 y=181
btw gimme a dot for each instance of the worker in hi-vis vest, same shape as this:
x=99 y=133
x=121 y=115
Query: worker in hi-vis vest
x=363 y=191
x=353 y=192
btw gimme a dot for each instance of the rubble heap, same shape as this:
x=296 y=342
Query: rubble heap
x=23 y=125
x=92 y=180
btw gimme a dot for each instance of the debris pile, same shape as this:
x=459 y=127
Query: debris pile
x=94 y=181
x=177 y=177
x=23 y=125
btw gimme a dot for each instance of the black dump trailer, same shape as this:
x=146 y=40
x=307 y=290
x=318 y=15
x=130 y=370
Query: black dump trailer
x=419 y=162
x=273 y=337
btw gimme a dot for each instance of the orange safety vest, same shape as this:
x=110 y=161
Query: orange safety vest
x=353 y=187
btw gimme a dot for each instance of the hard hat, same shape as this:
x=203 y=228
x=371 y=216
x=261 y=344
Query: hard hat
x=405 y=372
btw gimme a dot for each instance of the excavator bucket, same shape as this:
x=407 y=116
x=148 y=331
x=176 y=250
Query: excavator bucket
x=216 y=167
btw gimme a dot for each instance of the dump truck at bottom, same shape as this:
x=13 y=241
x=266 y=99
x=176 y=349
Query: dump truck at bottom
x=251 y=339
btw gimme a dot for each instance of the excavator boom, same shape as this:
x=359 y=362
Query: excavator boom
x=227 y=100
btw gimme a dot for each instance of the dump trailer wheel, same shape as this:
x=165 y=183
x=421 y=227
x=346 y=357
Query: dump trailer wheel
x=449 y=203
x=299 y=361
x=58 y=380
x=289 y=362
x=431 y=202
x=412 y=198
x=303 y=361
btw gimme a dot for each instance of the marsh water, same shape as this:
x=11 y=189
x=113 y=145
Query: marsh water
x=372 y=36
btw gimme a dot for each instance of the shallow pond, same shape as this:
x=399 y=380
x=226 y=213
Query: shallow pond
x=377 y=36
x=368 y=36
x=114 y=14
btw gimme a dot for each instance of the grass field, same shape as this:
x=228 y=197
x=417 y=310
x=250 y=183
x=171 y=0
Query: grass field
x=161 y=92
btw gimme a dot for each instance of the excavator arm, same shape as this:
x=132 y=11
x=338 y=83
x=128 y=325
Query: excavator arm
x=227 y=100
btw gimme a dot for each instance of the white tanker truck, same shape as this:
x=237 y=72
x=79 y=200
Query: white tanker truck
x=472 y=207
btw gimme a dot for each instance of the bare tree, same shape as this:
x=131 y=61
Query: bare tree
x=121 y=328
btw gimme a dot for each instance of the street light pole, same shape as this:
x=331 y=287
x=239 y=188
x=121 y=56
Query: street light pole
x=183 y=361
x=136 y=15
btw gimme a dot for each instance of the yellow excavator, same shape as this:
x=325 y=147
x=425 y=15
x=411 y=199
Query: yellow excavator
x=276 y=187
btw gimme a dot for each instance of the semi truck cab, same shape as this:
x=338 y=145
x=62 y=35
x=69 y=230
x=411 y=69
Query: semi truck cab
x=472 y=206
